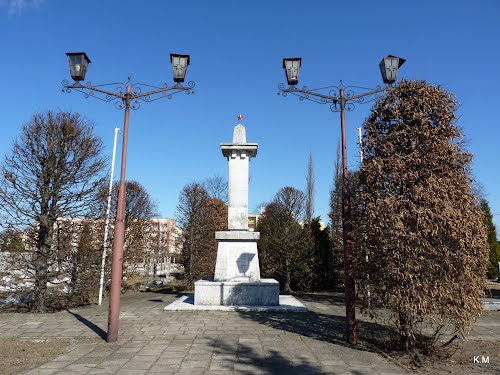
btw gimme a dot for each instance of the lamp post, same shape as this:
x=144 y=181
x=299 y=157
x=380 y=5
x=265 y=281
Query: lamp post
x=342 y=98
x=124 y=96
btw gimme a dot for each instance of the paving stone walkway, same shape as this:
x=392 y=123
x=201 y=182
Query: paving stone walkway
x=207 y=342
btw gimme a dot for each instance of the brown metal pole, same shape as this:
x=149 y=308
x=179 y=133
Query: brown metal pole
x=118 y=238
x=349 y=286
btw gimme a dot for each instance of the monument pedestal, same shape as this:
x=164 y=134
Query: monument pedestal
x=237 y=279
x=265 y=292
x=237 y=256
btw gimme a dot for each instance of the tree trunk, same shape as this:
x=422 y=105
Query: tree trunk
x=74 y=276
x=407 y=337
x=41 y=279
x=286 y=288
x=41 y=266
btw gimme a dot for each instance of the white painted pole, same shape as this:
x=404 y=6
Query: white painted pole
x=360 y=145
x=106 y=225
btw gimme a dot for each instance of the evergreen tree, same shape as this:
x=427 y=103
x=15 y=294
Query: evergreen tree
x=285 y=247
x=494 y=246
x=11 y=241
x=84 y=277
x=323 y=261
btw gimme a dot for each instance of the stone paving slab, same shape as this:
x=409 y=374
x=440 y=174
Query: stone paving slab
x=154 y=341
x=287 y=303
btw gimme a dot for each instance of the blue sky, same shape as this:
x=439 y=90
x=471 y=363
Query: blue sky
x=236 y=53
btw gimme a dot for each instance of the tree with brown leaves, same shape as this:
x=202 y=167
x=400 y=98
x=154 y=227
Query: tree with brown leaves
x=213 y=218
x=420 y=222
x=54 y=170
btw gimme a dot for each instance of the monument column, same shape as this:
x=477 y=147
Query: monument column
x=237 y=279
x=238 y=154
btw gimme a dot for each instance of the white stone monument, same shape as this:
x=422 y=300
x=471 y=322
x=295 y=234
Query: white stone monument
x=237 y=279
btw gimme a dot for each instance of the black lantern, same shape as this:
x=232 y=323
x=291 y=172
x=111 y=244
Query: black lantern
x=78 y=64
x=292 y=68
x=389 y=68
x=179 y=63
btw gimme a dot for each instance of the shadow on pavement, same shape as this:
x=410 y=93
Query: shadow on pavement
x=334 y=299
x=98 y=330
x=251 y=361
x=155 y=300
x=329 y=328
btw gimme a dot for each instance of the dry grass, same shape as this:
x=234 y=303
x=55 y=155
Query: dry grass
x=462 y=360
x=19 y=354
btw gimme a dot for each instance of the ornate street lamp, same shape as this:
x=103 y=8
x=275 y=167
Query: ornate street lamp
x=389 y=68
x=124 y=96
x=179 y=64
x=342 y=98
x=292 y=68
x=78 y=65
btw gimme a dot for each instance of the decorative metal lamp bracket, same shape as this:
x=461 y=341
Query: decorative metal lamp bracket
x=117 y=92
x=336 y=95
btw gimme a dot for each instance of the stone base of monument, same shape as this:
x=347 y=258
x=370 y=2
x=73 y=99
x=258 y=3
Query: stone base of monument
x=264 y=292
x=286 y=303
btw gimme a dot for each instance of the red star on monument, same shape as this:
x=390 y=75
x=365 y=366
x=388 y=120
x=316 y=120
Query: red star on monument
x=240 y=117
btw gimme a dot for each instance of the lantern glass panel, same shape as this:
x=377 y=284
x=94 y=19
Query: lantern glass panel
x=78 y=64
x=292 y=67
x=179 y=65
x=391 y=68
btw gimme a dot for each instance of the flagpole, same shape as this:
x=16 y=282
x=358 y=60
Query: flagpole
x=106 y=225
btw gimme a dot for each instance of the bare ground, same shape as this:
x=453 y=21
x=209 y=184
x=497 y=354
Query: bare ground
x=462 y=362
x=18 y=355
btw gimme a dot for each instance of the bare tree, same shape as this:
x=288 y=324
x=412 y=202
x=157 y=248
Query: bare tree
x=216 y=187
x=54 y=170
x=191 y=200
x=292 y=201
x=335 y=213
x=285 y=247
x=310 y=190
x=139 y=208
